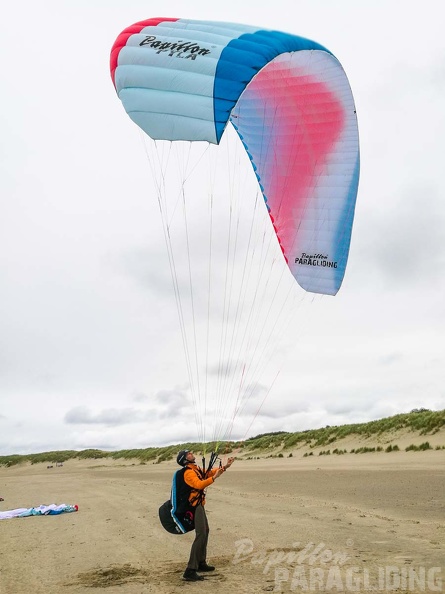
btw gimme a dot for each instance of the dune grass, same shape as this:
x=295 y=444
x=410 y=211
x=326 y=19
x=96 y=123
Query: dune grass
x=423 y=421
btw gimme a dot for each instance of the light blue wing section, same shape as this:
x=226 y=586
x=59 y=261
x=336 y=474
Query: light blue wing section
x=180 y=80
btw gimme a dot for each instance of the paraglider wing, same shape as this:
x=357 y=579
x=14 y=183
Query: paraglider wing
x=290 y=102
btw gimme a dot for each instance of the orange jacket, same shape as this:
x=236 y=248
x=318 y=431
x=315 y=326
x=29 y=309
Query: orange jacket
x=192 y=477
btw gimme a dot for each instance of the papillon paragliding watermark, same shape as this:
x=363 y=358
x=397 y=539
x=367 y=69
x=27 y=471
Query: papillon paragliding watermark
x=315 y=567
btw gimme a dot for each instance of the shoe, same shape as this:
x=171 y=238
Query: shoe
x=190 y=575
x=204 y=567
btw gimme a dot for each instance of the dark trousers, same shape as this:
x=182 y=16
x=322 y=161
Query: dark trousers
x=198 y=553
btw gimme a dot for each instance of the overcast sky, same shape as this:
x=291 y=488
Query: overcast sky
x=90 y=348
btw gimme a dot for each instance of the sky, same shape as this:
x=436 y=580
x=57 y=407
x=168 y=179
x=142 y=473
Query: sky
x=91 y=353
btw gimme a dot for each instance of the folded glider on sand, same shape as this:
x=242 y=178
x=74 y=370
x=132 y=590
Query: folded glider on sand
x=41 y=510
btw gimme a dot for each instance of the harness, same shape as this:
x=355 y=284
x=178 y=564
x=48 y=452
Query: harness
x=181 y=491
x=177 y=515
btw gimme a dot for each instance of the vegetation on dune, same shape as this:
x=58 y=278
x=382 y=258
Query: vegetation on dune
x=155 y=455
x=419 y=448
x=424 y=421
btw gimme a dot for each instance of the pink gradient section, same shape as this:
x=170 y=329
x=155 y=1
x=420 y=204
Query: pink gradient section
x=302 y=121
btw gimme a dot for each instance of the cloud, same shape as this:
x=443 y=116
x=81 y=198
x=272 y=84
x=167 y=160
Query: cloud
x=390 y=359
x=262 y=404
x=140 y=397
x=405 y=243
x=347 y=406
x=167 y=404
x=147 y=267
x=82 y=415
x=172 y=404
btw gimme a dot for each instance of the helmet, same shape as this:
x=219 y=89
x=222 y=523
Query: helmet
x=181 y=457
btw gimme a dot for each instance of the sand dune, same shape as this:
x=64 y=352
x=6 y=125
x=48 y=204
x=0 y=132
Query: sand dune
x=321 y=523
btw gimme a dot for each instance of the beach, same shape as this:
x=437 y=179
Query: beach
x=291 y=524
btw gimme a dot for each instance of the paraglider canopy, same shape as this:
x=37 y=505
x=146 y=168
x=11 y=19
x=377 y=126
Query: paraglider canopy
x=291 y=104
